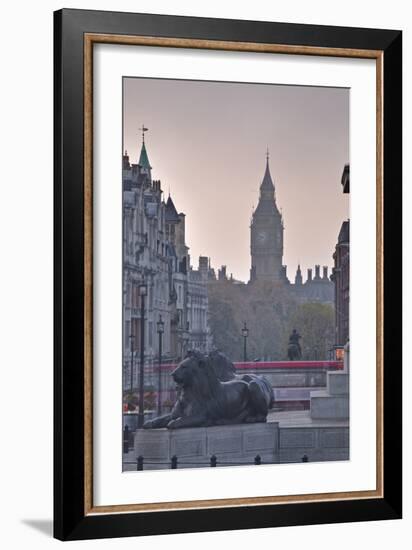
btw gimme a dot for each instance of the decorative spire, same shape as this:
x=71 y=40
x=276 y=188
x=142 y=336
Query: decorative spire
x=267 y=183
x=144 y=159
x=171 y=213
x=298 y=276
x=267 y=202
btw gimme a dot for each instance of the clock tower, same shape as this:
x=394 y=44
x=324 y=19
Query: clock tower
x=266 y=235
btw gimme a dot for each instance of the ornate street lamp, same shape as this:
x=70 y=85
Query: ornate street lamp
x=245 y=334
x=132 y=355
x=339 y=353
x=160 y=331
x=142 y=294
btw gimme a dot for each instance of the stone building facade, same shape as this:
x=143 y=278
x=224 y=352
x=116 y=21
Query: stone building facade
x=317 y=288
x=340 y=277
x=155 y=252
x=341 y=274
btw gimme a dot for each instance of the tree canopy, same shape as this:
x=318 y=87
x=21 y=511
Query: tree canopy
x=271 y=312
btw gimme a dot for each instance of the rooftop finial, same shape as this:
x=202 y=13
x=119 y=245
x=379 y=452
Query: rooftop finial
x=267 y=154
x=143 y=129
x=144 y=159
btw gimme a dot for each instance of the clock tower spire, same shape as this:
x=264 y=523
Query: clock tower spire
x=266 y=234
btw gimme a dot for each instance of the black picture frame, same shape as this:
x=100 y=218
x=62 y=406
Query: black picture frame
x=71 y=522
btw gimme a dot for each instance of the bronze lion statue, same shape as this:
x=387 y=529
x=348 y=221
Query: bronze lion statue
x=209 y=393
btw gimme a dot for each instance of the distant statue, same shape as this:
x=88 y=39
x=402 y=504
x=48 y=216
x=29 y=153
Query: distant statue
x=294 y=349
x=209 y=393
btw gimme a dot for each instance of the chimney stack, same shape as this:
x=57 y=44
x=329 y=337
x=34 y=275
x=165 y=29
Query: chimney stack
x=317 y=271
x=325 y=272
x=203 y=263
x=222 y=273
x=309 y=274
x=126 y=163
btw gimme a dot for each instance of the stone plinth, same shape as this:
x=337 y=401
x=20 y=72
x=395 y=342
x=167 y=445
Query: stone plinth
x=325 y=406
x=332 y=403
x=194 y=446
x=338 y=383
x=318 y=443
x=286 y=437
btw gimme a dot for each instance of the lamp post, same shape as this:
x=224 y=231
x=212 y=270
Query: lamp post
x=131 y=360
x=185 y=346
x=245 y=334
x=160 y=331
x=142 y=294
x=187 y=337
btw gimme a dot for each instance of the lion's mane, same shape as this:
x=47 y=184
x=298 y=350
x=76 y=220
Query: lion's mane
x=202 y=392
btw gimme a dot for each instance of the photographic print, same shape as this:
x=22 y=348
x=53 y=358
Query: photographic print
x=235 y=274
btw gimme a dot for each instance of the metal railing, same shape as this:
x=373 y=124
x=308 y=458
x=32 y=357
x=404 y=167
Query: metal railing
x=213 y=462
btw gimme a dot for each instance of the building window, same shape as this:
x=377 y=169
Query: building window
x=126 y=336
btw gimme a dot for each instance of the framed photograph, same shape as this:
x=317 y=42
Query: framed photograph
x=227 y=274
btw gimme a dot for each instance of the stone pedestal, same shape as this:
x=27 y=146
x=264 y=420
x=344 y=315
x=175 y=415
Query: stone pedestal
x=193 y=447
x=333 y=404
x=319 y=441
x=324 y=406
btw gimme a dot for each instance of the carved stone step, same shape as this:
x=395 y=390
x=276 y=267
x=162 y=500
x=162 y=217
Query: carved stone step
x=324 y=406
x=338 y=383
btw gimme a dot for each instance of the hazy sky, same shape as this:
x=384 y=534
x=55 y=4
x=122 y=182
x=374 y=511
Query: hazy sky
x=207 y=143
